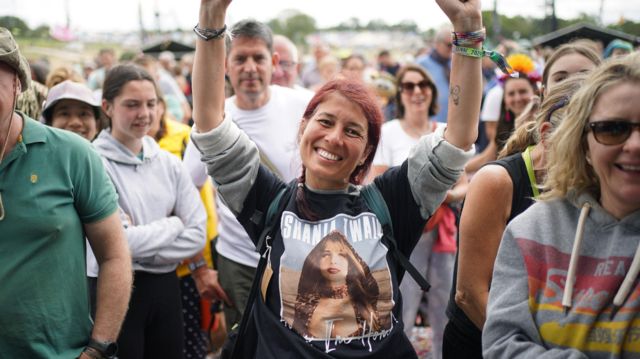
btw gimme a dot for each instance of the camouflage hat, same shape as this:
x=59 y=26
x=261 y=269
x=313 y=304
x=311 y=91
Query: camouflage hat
x=10 y=55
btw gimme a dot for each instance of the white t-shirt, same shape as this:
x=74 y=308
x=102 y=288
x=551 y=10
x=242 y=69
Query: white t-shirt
x=274 y=129
x=395 y=144
x=492 y=102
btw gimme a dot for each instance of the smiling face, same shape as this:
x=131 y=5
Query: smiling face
x=517 y=94
x=566 y=66
x=334 y=265
x=617 y=166
x=249 y=67
x=417 y=100
x=333 y=142
x=75 y=116
x=132 y=112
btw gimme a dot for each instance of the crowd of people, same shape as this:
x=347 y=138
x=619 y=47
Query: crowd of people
x=308 y=202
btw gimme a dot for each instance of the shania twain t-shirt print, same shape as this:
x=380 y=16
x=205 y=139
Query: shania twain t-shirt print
x=335 y=282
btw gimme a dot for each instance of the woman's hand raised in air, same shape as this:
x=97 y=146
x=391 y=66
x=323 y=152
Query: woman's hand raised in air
x=465 y=15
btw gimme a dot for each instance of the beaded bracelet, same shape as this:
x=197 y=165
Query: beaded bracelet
x=209 y=34
x=468 y=38
x=495 y=56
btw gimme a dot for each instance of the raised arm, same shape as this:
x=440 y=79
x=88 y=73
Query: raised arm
x=208 y=68
x=465 y=85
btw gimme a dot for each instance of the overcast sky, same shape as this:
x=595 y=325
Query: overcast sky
x=122 y=15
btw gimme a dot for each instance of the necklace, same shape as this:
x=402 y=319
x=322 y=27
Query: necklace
x=6 y=139
x=4 y=148
x=338 y=292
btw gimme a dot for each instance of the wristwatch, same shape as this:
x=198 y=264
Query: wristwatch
x=106 y=349
x=197 y=264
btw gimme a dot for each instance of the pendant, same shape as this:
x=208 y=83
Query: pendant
x=1 y=208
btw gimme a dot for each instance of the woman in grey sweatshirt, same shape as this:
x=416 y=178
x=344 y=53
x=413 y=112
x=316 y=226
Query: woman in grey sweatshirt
x=565 y=279
x=163 y=216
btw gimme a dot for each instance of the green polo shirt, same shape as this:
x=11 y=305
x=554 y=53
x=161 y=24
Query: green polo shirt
x=51 y=183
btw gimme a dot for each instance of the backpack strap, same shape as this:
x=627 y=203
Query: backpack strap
x=274 y=211
x=270 y=221
x=374 y=200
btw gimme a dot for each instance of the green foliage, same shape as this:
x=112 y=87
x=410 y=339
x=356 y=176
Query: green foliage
x=41 y=32
x=16 y=25
x=19 y=28
x=519 y=27
x=353 y=24
x=629 y=27
x=296 y=26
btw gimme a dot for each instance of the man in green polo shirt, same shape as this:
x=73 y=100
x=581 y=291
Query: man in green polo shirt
x=54 y=192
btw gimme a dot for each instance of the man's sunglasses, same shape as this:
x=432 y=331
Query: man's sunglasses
x=410 y=86
x=612 y=132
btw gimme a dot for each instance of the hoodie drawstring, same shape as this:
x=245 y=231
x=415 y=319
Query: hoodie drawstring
x=627 y=283
x=573 y=262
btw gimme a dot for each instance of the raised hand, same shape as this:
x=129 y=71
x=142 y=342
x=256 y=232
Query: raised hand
x=465 y=15
x=212 y=13
x=208 y=67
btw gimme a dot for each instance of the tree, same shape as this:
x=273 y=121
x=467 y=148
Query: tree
x=295 y=25
x=627 y=26
x=406 y=26
x=16 y=25
x=41 y=32
x=377 y=25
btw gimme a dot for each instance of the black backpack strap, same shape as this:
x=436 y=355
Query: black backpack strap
x=376 y=203
x=276 y=207
x=271 y=222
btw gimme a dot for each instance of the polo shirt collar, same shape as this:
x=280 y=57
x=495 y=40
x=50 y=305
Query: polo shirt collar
x=32 y=131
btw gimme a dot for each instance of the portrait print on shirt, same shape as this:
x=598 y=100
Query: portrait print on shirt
x=335 y=282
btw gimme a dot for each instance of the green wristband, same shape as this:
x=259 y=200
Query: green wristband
x=469 y=51
x=496 y=57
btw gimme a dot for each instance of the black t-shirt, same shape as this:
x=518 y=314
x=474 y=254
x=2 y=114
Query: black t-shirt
x=521 y=200
x=334 y=289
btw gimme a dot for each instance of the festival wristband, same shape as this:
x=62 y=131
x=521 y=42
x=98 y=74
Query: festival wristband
x=468 y=38
x=495 y=56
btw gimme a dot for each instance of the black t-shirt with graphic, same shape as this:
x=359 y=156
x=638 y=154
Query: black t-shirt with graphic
x=334 y=289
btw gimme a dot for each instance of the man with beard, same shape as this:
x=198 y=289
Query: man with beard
x=270 y=116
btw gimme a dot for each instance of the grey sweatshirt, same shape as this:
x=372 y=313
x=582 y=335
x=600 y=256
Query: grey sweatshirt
x=165 y=219
x=525 y=317
x=233 y=160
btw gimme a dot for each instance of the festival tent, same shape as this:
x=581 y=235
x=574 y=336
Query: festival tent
x=583 y=31
x=178 y=49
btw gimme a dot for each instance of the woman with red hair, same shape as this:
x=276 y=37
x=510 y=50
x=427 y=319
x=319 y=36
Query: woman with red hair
x=338 y=137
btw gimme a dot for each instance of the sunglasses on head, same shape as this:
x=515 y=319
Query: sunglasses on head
x=410 y=86
x=612 y=132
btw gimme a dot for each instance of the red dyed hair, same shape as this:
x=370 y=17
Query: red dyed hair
x=360 y=95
